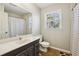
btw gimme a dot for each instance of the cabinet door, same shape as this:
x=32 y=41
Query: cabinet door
x=31 y=50
x=22 y=53
x=37 y=49
x=27 y=52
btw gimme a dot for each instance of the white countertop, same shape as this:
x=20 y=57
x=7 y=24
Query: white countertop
x=6 y=47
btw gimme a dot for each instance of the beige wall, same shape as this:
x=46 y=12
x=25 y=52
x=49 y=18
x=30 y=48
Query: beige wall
x=58 y=38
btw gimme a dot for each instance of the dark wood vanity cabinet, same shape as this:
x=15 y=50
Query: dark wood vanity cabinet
x=27 y=52
x=31 y=49
x=36 y=49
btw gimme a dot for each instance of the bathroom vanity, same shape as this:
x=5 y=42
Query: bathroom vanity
x=26 y=47
x=31 y=49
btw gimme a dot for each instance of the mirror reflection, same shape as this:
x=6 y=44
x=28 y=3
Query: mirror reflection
x=17 y=21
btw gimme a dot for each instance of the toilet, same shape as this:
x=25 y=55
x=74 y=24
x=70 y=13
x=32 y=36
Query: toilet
x=43 y=45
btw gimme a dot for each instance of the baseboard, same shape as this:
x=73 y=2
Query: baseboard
x=63 y=50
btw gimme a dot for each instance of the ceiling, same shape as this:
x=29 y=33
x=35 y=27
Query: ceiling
x=14 y=9
x=42 y=5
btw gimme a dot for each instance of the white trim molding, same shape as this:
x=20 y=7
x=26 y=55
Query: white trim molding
x=63 y=50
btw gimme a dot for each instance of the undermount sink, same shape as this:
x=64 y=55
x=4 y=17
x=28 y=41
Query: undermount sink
x=24 y=40
x=21 y=41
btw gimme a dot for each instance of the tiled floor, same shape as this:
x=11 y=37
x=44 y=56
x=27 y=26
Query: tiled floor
x=53 y=52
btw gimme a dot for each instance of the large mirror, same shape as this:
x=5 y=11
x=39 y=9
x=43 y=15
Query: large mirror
x=14 y=21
